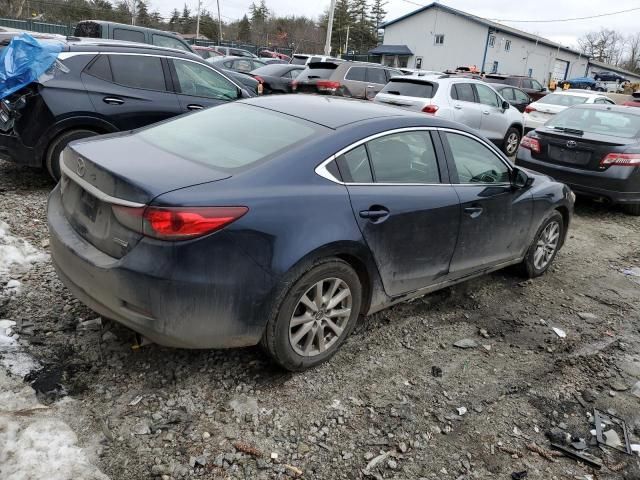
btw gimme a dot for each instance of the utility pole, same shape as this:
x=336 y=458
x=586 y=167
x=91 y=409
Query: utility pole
x=198 y=20
x=327 y=44
x=134 y=5
x=346 y=44
x=219 y=23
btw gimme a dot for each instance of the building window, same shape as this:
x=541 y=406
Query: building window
x=507 y=45
x=530 y=73
x=494 y=68
x=492 y=40
x=439 y=39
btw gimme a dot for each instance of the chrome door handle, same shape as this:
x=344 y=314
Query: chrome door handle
x=457 y=106
x=113 y=100
x=193 y=106
x=485 y=112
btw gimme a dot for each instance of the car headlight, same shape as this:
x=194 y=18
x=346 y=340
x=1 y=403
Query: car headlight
x=572 y=196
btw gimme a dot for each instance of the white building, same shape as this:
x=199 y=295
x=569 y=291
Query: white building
x=439 y=38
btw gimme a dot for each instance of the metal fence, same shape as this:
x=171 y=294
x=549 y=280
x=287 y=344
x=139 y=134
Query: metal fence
x=244 y=46
x=363 y=58
x=40 y=27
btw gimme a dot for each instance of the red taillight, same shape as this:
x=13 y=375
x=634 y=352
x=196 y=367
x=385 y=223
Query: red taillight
x=430 y=109
x=294 y=85
x=530 y=143
x=327 y=86
x=621 y=160
x=529 y=109
x=177 y=223
x=259 y=78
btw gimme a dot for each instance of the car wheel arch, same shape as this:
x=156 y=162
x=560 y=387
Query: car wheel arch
x=566 y=217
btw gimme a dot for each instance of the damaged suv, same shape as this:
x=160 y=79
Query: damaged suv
x=105 y=86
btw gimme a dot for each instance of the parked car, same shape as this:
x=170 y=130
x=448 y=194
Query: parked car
x=272 y=61
x=109 y=86
x=632 y=103
x=538 y=113
x=595 y=149
x=607 y=76
x=130 y=33
x=465 y=100
x=206 y=52
x=517 y=98
x=417 y=71
x=277 y=78
x=529 y=85
x=272 y=54
x=228 y=253
x=586 y=83
x=238 y=64
x=305 y=58
x=234 y=52
x=345 y=79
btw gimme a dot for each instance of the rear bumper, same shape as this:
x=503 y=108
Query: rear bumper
x=531 y=123
x=197 y=294
x=616 y=184
x=13 y=150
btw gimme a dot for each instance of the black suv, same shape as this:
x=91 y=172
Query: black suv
x=530 y=86
x=103 y=87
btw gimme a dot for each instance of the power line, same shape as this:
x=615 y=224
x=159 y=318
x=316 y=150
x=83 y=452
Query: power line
x=566 y=19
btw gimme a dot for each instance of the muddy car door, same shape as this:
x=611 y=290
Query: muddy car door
x=406 y=208
x=496 y=218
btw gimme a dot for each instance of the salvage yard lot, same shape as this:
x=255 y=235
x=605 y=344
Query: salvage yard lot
x=158 y=411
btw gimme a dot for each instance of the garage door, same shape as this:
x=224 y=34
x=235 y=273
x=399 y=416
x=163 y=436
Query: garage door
x=560 y=68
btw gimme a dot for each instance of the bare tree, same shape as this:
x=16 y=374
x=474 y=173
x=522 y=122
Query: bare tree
x=632 y=56
x=604 y=46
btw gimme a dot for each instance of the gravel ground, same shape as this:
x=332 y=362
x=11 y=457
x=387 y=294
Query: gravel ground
x=387 y=405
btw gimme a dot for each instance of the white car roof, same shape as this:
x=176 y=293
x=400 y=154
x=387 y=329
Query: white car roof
x=579 y=93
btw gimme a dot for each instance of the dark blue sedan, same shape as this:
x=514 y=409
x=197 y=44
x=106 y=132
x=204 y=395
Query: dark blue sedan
x=280 y=220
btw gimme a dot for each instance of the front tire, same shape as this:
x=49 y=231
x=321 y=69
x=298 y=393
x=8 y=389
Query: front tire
x=52 y=159
x=545 y=246
x=315 y=316
x=632 y=209
x=511 y=141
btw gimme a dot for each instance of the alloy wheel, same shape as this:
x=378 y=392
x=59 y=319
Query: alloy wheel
x=512 y=143
x=320 y=317
x=547 y=245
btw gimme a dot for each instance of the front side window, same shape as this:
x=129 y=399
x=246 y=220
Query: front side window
x=527 y=83
x=507 y=93
x=128 y=35
x=475 y=162
x=463 y=92
x=168 y=42
x=138 y=71
x=487 y=96
x=357 y=74
x=404 y=158
x=200 y=81
x=521 y=97
x=536 y=84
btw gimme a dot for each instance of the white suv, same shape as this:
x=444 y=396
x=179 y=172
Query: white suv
x=465 y=100
x=541 y=111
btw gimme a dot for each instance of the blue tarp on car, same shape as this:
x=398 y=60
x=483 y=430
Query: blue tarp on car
x=23 y=61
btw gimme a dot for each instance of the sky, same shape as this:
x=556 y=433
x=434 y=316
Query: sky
x=565 y=33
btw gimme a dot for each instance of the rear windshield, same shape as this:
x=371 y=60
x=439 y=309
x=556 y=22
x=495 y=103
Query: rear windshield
x=273 y=69
x=299 y=59
x=496 y=79
x=410 y=88
x=230 y=136
x=563 y=100
x=604 y=122
x=318 y=71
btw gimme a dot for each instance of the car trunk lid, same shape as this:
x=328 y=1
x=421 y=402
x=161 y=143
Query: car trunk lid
x=121 y=170
x=307 y=81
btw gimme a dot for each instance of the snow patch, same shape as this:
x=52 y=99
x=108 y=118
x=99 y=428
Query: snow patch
x=16 y=254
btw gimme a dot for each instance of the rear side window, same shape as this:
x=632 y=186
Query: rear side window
x=463 y=92
x=507 y=93
x=376 y=75
x=358 y=74
x=410 y=88
x=100 y=68
x=354 y=166
x=169 y=42
x=404 y=158
x=128 y=35
x=200 y=81
x=315 y=59
x=226 y=127
x=526 y=83
x=138 y=71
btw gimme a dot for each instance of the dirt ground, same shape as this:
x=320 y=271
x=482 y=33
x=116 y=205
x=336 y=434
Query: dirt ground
x=387 y=405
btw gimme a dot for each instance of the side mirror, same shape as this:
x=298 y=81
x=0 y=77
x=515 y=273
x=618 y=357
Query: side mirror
x=505 y=105
x=519 y=179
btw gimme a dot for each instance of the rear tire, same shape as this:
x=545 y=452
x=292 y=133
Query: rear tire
x=511 y=141
x=302 y=310
x=545 y=246
x=632 y=209
x=52 y=159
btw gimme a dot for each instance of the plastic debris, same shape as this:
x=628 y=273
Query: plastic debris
x=561 y=333
x=519 y=475
x=24 y=60
x=461 y=410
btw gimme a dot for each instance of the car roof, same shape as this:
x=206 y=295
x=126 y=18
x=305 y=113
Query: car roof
x=332 y=112
x=613 y=108
x=75 y=44
x=579 y=92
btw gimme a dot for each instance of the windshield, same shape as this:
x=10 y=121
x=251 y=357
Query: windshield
x=563 y=100
x=229 y=136
x=410 y=88
x=317 y=71
x=603 y=122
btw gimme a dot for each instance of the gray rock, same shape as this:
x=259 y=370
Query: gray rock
x=142 y=428
x=402 y=447
x=392 y=464
x=484 y=333
x=618 y=386
x=587 y=316
x=466 y=343
x=589 y=395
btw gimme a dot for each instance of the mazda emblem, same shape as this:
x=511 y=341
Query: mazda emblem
x=81 y=168
x=571 y=144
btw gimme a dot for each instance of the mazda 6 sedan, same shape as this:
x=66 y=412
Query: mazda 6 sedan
x=280 y=220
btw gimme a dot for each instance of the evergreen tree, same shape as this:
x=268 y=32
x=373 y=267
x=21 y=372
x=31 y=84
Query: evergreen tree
x=378 y=13
x=186 y=20
x=174 y=21
x=259 y=13
x=362 y=30
x=142 y=15
x=244 y=29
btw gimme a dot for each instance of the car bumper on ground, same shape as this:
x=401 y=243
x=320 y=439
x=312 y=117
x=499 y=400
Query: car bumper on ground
x=213 y=297
x=13 y=150
x=614 y=184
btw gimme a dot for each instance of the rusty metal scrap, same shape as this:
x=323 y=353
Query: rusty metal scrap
x=247 y=448
x=543 y=452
